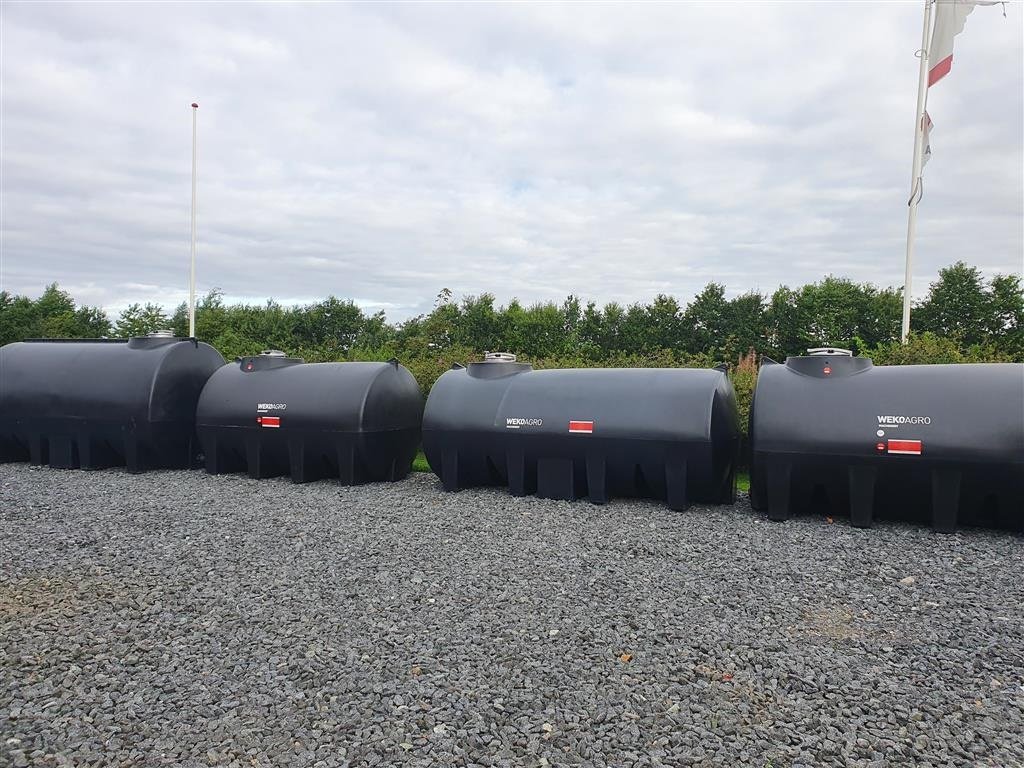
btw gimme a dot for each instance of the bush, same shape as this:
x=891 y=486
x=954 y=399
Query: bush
x=744 y=380
x=927 y=348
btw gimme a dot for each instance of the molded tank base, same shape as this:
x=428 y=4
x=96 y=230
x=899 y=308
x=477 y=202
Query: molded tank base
x=592 y=469
x=891 y=488
x=306 y=456
x=98 y=445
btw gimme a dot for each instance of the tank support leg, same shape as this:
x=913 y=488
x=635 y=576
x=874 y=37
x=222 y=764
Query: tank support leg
x=253 y=456
x=778 y=489
x=85 y=452
x=347 y=463
x=63 y=453
x=38 y=449
x=729 y=490
x=450 y=470
x=675 y=483
x=597 y=486
x=945 y=499
x=9 y=451
x=213 y=457
x=555 y=479
x=192 y=457
x=515 y=461
x=862 y=495
x=1008 y=506
x=297 y=461
x=1010 y=514
x=131 y=454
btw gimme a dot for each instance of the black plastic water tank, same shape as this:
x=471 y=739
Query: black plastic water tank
x=273 y=415
x=925 y=443
x=103 y=402
x=667 y=433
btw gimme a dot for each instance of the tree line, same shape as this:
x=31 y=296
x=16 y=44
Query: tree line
x=964 y=317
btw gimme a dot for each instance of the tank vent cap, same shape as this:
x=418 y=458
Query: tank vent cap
x=163 y=333
x=829 y=351
x=499 y=357
x=272 y=353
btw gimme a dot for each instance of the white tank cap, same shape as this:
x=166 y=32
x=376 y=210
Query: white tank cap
x=829 y=351
x=272 y=353
x=163 y=333
x=499 y=357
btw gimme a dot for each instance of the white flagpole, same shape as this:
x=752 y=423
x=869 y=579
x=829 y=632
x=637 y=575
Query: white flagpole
x=192 y=274
x=915 y=179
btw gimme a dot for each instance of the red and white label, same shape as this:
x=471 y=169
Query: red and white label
x=581 y=427
x=910 y=447
x=269 y=421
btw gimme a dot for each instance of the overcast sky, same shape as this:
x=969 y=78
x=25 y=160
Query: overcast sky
x=384 y=152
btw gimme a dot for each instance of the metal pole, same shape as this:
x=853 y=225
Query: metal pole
x=192 y=274
x=915 y=177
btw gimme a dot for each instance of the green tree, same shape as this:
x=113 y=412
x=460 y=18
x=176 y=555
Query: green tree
x=881 y=315
x=831 y=310
x=55 y=316
x=966 y=320
x=332 y=322
x=212 y=318
x=706 y=319
x=1006 y=319
x=635 y=333
x=19 y=318
x=138 y=320
x=957 y=305
x=610 y=331
x=665 y=326
x=55 y=311
x=784 y=324
x=478 y=324
x=91 y=323
x=745 y=326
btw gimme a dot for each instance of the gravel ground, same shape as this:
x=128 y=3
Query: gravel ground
x=177 y=618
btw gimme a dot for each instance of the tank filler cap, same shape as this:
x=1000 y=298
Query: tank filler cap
x=815 y=351
x=272 y=353
x=499 y=357
x=163 y=333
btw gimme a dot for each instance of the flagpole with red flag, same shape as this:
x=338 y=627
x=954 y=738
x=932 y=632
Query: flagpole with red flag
x=915 y=177
x=936 y=54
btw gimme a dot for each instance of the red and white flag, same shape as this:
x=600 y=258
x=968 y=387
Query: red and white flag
x=950 y=17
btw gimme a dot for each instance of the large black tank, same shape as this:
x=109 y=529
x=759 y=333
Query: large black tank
x=275 y=415
x=103 y=402
x=667 y=433
x=926 y=443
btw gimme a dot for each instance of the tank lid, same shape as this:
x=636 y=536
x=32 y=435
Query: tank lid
x=828 y=365
x=829 y=351
x=499 y=357
x=267 y=360
x=162 y=333
x=496 y=365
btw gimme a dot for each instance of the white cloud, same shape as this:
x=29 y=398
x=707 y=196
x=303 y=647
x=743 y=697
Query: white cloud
x=383 y=152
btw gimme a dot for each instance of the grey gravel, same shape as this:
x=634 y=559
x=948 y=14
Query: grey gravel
x=178 y=618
